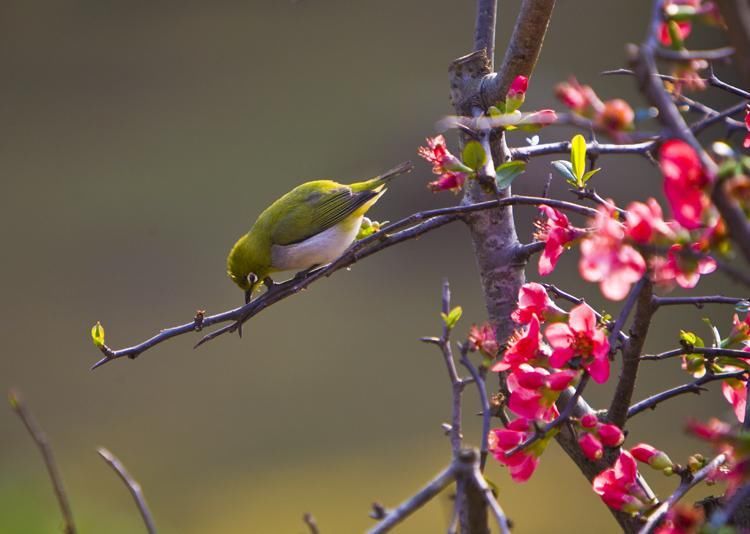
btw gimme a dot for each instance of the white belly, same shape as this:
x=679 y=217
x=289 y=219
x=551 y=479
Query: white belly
x=319 y=249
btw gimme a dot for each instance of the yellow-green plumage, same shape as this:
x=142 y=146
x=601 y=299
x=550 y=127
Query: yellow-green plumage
x=310 y=225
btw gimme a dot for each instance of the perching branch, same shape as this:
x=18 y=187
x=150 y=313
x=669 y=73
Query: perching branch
x=695 y=386
x=133 y=487
x=407 y=228
x=686 y=485
x=41 y=441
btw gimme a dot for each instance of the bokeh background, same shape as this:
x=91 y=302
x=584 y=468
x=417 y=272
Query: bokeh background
x=140 y=139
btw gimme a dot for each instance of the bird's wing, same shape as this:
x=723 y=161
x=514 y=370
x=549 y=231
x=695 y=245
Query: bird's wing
x=316 y=210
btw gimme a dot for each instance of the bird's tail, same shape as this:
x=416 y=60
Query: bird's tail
x=384 y=178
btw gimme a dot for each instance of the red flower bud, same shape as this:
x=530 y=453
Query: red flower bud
x=519 y=86
x=611 y=435
x=589 y=421
x=591 y=447
x=654 y=457
x=616 y=116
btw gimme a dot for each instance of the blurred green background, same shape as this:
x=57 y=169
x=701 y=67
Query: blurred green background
x=141 y=138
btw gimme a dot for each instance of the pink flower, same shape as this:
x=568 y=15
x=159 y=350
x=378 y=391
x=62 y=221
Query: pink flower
x=684 y=182
x=616 y=116
x=715 y=430
x=452 y=172
x=591 y=447
x=606 y=259
x=556 y=232
x=735 y=392
x=740 y=330
x=437 y=153
x=534 y=391
x=580 y=338
x=450 y=181
x=580 y=98
x=618 y=486
x=746 y=142
x=522 y=347
x=683 y=30
x=482 y=338
x=682 y=519
x=610 y=435
x=519 y=86
x=520 y=464
x=532 y=300
x=645 y=222
x=680 y=268
x=652 y=456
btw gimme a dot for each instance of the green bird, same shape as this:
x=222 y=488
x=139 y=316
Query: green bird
x=311 y=225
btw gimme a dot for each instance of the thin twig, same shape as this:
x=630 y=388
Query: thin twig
x=698 y=302
x=41 y=441
x=422 y=497
x=133 y=487
x=483 y=399
x=497 y=511
x=686 y=485
x=592 y=147
x=708 y=351
x=695 y=386
x=311 y=523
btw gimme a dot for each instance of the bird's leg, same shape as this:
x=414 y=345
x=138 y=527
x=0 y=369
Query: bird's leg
x=269 y=283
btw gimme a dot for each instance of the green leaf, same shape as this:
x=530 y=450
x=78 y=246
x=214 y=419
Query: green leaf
x=473 y=155
x=586 y=176
x=452 y=317
x=674 y=36
x=578 y=156
x=507 y=172
x=691 y=339
x=565 y=168
x=97 y=334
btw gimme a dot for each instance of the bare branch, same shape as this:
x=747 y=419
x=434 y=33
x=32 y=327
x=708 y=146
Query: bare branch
x=311 y=523
x=133 y=487
x=698 y=302
x=708 y=351
x=411 y=505
x=618 y=408
x=594 y=148
x=41 y=441
x=695 y=386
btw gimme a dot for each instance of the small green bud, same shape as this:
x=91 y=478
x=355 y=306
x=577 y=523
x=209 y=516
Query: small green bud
x=97 y=335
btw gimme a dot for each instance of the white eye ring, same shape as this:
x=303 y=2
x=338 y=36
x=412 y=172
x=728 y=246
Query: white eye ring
x=252 y=278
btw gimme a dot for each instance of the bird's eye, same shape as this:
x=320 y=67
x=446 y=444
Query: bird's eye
x=252 y=278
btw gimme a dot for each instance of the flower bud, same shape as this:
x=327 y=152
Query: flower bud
x=516 y=94
x=591 y=447
x=589 y=420
x=652 y=456
x=611 y=435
